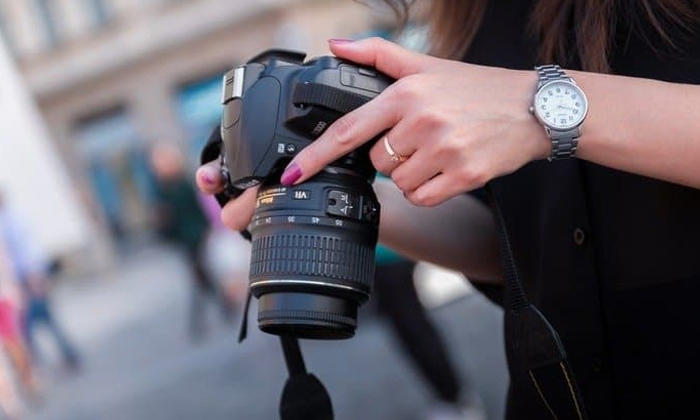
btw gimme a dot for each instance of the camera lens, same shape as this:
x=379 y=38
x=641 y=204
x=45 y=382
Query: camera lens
x=312 y=261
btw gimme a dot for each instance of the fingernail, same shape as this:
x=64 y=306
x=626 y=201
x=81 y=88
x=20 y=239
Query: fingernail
x=340 y=40
x=209 y=177
x=291 y=174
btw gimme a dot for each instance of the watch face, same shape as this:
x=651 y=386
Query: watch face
x=561 y=105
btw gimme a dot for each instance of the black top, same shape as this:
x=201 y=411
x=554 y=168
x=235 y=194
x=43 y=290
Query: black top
x=612 y=259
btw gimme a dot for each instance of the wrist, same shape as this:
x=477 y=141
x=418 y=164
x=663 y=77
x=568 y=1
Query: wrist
x=539 y=145
x=536 y=144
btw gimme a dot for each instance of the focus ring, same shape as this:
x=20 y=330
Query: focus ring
x=276 y=315
x=311 y=255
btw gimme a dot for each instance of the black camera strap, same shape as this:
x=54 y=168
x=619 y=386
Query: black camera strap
x=533 y=346
x=304 y=397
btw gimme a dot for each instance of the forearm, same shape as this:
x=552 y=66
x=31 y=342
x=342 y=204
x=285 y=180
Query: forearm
x=459 y=234
x=642 y=126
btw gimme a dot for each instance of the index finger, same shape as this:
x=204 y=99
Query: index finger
x=343 y=136
x=387 y=57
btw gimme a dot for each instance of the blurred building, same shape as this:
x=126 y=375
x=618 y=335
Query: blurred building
x=35 y=188
x=112 y=76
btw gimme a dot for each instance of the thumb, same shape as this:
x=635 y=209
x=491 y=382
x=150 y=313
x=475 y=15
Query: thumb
x=387 y=57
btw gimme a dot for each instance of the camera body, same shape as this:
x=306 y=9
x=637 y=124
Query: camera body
x=312 y=261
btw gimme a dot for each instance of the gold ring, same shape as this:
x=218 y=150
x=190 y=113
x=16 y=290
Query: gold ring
x=395 y=157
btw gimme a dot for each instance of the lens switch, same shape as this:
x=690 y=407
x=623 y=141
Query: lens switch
x=341 y=203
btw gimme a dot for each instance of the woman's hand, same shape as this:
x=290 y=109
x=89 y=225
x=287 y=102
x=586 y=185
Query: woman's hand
x=462 y=234
x=458 y=125
x=237 y=213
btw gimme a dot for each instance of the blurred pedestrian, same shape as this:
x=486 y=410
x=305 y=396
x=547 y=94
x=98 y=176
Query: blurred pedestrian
x=181 y=220
x=32 y=271
x=228 y=255
x=17 y=358
x=398 y=300
x=9 y=398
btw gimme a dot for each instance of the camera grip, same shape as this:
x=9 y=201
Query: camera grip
x=212 y=151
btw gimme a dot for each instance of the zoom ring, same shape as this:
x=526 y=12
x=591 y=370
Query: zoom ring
x=296 y=315
x=312 y=255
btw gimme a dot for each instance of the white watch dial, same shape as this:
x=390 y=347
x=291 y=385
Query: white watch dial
x=561 y=105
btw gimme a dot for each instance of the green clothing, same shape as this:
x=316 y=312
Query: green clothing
x=180 y=216
x=385 y=256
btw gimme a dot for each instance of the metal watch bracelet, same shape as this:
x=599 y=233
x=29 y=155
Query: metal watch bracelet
x=564 y=143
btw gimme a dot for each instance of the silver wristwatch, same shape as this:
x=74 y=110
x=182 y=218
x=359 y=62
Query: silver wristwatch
x=560 y=106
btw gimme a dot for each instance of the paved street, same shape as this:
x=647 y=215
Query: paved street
x=140 y=365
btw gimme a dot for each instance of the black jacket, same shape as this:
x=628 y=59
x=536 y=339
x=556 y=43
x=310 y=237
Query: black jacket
x=612 y=259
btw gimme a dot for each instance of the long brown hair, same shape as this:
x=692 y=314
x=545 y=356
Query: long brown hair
x=551 y=23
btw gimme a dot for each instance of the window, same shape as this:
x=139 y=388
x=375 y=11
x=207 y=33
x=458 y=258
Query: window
x=118 y=169
x=199 y=107
x=98 y=11
x=47 y=15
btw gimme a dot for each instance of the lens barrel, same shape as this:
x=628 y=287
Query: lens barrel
x=312 y=261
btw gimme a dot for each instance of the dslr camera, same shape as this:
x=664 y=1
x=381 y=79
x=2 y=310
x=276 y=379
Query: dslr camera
x=312 y=262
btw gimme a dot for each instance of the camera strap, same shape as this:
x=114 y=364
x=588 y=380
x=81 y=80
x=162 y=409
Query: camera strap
x=533 y=346
x=304 y=397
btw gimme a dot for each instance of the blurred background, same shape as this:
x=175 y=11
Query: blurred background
x=138 y=326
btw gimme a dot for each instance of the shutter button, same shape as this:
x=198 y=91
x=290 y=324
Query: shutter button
x=579 y=236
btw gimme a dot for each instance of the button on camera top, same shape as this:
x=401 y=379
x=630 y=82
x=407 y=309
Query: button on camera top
x=361 y=78
x=367 y=72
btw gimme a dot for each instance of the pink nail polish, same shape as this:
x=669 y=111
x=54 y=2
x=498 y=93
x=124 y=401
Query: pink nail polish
x=291 y=174
x=340 y=40
x=209 y=178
